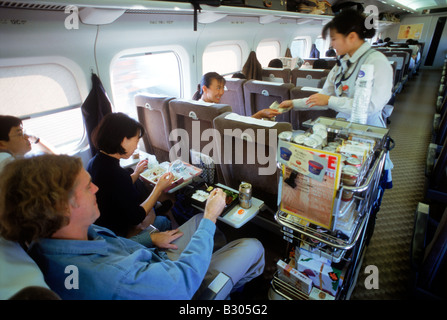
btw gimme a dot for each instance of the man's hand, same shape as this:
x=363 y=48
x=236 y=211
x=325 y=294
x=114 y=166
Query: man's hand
x=163 y=240
x=215 y=204
x=266 y=113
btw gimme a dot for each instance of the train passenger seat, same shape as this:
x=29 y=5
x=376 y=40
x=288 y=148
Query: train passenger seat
x=309 y=77
x=153 y=114
x=20 y=276
x=192 y=119
x=234 y=95
x=401 y=57
x=331 y=62
x=281 y=75
x=261 y=94
x=400 y=68
x=248 y=153
x=436 y=175
x=297 y=117
x=429 y=254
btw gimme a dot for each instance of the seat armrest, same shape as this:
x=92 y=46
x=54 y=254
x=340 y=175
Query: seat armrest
x=419 y=235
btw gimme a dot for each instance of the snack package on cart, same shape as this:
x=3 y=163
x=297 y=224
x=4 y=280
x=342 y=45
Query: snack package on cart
x=294 y=277
x=323 y=276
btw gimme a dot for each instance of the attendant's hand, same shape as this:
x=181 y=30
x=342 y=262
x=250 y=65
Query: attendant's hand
x=286 y=104
x=266 y=113
x=215 y=204
x=163 y=240
x=318 y=99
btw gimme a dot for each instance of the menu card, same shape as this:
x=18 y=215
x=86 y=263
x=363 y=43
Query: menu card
x=311 y=179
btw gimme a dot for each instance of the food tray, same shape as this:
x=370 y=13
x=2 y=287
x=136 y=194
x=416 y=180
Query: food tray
x=153 y=174
x=199 y=196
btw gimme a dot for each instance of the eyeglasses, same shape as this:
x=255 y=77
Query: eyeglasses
x=25 y=135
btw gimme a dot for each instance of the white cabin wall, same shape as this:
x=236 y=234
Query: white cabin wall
x=41 y=37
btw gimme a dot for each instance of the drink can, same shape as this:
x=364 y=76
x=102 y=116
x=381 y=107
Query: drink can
x=245 y=192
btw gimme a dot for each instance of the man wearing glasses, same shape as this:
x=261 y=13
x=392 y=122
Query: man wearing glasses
x=14 y=142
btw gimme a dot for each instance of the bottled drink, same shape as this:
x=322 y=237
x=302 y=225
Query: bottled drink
x=362 y=94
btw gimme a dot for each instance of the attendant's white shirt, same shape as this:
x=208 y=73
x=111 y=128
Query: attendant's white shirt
x=381 y=90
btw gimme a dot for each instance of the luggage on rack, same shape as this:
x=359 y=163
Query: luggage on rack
x=280 y=5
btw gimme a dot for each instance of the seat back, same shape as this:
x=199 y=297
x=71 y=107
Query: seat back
x=189 y=120
x=261 y=94
x=331 y=62
x=309 y=77
x=153 y=114
x=234 y=95
x=281 y=75
x=297 y=117
x=432 y=274
x=400 y=64
x=248 y=153
x=393 y=65
x=308 y=63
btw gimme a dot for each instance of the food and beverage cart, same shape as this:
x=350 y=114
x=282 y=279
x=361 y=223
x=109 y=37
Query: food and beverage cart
x=327 y=239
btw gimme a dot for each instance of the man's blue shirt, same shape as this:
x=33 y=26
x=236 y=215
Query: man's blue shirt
x=112 y=267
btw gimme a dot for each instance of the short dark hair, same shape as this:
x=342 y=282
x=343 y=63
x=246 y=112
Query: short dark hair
x=320 y=64
x=112 y=129
x=275 y=63
x=6 y=123
x=206 y=80
x=348 y=21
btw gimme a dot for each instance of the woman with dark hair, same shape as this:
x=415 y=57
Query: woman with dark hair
x=348 y=32
x=211 y=90
x=124 y=209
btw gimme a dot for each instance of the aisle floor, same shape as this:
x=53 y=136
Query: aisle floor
x=410 y=127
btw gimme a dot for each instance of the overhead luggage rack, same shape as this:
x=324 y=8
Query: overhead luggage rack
x=339 y=248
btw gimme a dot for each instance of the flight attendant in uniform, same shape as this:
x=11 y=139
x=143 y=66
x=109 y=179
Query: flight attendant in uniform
x=348 y=32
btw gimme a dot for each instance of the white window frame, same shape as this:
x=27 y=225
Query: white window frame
x=180 y=54
x=265 y=61
x=74 y=69
x=307 y=41
x=241 y=46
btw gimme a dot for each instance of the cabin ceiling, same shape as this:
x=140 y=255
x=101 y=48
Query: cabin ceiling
x=400 y=7
x=395 y=7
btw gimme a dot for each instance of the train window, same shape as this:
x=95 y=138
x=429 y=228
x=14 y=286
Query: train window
x=320 y=43
x=266 y=51
x=222 y=58
x=153 y=73
x=298 y=47
x=47 y=98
